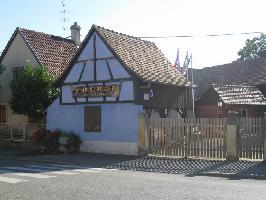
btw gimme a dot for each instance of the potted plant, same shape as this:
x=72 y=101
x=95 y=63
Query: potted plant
x=69 y=142
x=74 y=142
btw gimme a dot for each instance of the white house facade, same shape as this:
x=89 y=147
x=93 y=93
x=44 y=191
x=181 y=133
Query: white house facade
x=100 y=92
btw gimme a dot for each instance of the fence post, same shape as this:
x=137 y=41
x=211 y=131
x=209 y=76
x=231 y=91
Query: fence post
x=142 y=134
x=264 y=137
x=24 y=133
x=11 y=133
x=232 y=136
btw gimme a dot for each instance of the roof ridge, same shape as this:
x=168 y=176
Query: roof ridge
x=47 y=34
x=227 y=85
x=122 y=34
x=236 y=62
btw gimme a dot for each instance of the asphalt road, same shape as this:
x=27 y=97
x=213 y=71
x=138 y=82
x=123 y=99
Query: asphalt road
x=31 y=180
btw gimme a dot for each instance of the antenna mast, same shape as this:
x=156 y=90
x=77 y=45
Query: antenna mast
x=65 y=16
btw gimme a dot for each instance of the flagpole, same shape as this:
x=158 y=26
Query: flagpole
x=187 y=64
x=192 y=88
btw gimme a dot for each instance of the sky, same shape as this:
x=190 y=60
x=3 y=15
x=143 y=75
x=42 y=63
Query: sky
x=147 y=18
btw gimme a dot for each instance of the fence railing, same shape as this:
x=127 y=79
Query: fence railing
x=251 y=138
x=18 y=132
x=205 y=137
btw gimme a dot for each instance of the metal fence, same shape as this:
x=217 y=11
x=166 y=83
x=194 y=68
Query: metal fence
x=18 y=132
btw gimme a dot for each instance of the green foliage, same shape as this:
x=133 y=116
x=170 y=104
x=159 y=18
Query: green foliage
x=253 y=49
x=32 y=91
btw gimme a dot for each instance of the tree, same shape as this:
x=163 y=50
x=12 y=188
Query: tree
x=253 y=49
x=32 y=91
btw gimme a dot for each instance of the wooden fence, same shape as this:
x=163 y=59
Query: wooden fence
x=18 y=132
x=203 y=137
x=251 y=138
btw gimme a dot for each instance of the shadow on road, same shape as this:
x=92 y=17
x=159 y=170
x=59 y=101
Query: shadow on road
x=195 y=167
x=185 y=166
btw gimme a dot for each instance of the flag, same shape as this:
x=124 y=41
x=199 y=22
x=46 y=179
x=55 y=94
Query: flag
x=186 y=64
x=177 y=63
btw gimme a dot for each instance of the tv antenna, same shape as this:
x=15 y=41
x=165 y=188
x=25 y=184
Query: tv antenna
x=65 y=15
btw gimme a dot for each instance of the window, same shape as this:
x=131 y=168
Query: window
x=2 y=114
x=243 y=113
x=92 y=118
x=17 y=71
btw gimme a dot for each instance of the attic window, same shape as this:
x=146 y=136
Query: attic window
x=17 y=71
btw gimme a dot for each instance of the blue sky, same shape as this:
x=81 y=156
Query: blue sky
x=147 y=18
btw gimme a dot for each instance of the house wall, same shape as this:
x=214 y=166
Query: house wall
x=210 y=111
x=214 y=111
x=163 y=96
x=119 y=126
x=96 y=65
x=251 y=109
x=18 y=54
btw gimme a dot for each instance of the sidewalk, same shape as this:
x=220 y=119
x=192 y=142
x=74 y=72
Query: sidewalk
x=12 y=152
x=187 y=167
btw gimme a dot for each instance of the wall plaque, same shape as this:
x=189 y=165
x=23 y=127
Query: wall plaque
x=96 y=91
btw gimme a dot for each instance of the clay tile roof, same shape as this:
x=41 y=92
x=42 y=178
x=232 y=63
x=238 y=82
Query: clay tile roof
x=53 y=52
x=239 y=94
x=251 y=72
x=142 y=57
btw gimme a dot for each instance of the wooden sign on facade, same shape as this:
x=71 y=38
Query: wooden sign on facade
x=96 y=91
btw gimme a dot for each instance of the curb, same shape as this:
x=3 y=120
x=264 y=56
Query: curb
x=36 y=161
x=230 y=175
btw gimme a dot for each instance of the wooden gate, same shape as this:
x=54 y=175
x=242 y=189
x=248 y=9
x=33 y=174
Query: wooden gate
x=200 y=137
x=251 y=138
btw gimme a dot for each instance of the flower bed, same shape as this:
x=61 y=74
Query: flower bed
x=56 y=141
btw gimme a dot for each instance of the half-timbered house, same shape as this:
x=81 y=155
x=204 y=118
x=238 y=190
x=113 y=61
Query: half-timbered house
x=112 y=78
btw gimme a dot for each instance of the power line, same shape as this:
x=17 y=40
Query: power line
x=206 y=35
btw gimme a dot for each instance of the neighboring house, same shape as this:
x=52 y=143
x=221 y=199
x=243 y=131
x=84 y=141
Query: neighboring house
x=110 y=81
x=247 y=100
x=35 y=48
x=252 y=72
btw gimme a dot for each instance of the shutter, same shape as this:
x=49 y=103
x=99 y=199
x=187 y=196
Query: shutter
x=92 y=118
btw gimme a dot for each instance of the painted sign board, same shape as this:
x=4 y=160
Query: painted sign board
x=96 y=91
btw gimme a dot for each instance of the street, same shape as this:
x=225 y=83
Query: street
x=47 y=180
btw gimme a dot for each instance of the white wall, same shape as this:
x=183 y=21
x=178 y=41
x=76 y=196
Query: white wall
x=18 y=54
x=83 y=70
x=119 y=126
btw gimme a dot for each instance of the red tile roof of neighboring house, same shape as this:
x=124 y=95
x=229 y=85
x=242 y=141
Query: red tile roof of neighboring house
x=53 y=52
x=239 y=94
x=252 y=72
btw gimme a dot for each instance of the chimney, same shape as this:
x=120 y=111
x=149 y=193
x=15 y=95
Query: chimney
x=75 y=33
